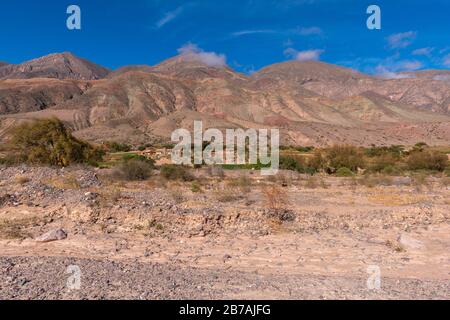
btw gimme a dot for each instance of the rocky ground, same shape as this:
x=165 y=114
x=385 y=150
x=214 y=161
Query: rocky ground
x=222 y=237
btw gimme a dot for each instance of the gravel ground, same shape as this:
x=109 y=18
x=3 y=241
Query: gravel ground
x=46 y=278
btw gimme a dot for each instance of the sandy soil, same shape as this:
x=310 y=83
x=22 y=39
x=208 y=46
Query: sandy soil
x=158 y=240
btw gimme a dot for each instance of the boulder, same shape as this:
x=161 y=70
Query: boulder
x=53 y=235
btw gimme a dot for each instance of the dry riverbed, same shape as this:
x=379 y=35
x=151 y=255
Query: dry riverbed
x=222 y=237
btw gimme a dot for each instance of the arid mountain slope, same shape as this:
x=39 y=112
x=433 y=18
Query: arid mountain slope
x=18 y=96
x=311 y=102
x=337 y=83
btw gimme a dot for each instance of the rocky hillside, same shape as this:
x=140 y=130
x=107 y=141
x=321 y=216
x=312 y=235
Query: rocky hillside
x=311 y=102
x=59 y=66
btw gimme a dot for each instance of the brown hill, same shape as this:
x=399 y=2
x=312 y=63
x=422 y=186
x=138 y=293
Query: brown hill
x=59 y=66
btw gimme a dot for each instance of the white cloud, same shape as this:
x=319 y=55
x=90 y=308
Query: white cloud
x=168 y=17
x=392 y=69
x=401 y=40
x=309 y=31
x=211 y=59
x=248 y=32
x=306 y=55
x=446 y=61
x=423 y=52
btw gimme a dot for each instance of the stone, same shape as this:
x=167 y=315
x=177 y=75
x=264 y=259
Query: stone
x=53 y=235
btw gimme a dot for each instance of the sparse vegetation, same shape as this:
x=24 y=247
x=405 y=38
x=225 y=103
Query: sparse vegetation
x=427 y=160
x=134 y=170
x=344 y=172
x=243 y=183
x=227 y=194
x=297 y=164
x=174 y=172
x=195 y=187
x=276 y=198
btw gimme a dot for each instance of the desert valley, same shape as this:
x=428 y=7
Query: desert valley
x=87 y=186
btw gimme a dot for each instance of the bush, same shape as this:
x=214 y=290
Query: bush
x=336 y=157
x=427 y=160
x=295 y=164
x=344 y=172
x=344 y=156
x=395 y=151
x=133 y=156
x=174 y=172
x=134 y=170
x=49 y=142
x=118 y=147
x=384 y=162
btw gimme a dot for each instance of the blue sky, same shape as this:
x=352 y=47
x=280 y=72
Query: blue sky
x=247 y=34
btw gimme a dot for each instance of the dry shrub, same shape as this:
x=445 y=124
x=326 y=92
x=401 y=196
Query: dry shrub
x=16 y=228
x=22 y=180
x=371 y=181
x=110 y=196
x=427 y=160
x=397 y=247
x=283 y=179
x=227 y=195
x=445 y=182
x=68 y=182
x=276 y=198
x=312 y=183
x=174 y=172
x=243 y=183
x=216 y=171
x=419 y=181
x=177 y=195
x=134 y=170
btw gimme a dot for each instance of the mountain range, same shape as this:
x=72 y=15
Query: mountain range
x=312 y=103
